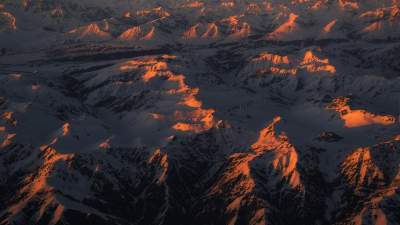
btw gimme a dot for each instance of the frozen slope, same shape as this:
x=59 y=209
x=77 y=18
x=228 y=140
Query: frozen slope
x=199 y=112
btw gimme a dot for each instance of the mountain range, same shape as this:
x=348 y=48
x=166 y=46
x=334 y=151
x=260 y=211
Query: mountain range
x=212 y=112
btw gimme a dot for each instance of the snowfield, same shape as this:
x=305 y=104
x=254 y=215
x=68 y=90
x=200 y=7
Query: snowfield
x=177 y=112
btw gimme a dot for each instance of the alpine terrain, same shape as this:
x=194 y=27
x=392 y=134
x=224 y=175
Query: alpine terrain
x=208 y=112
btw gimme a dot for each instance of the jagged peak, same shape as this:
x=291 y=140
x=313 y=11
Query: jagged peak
x=268 y=138
x=138 y=33
x=391 y=13
x=285 y=155
x=314 y=64
x=286 y=28
x=266 y=63
x=37 y=184
x=91 y=30
x=368 y=167
x=193 y=117
x=202 y=31
x=212 y=31
x=160 y=159
x=273 y=58
x=328 y=27
x=159 y=11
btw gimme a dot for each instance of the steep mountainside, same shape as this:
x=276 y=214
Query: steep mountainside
x=177 y=112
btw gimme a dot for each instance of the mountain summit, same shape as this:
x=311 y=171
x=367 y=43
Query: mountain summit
x=219 y=112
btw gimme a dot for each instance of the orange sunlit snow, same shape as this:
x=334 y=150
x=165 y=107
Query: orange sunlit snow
x=358 y=118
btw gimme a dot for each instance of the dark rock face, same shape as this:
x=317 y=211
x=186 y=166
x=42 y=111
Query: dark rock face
x=199 y=112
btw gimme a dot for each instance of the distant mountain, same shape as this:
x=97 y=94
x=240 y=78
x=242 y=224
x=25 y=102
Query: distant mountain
x=214 y=112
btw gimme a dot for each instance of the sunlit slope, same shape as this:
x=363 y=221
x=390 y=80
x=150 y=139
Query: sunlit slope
x=199 y=112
